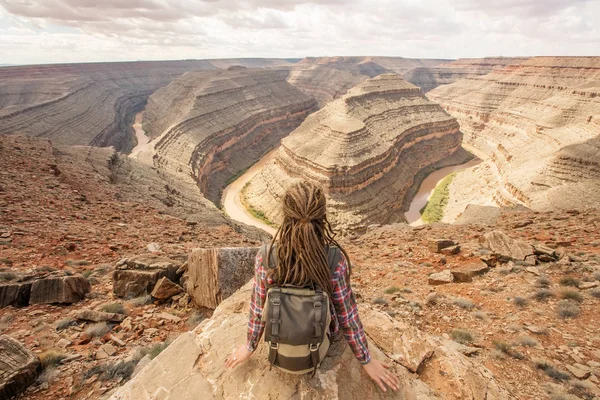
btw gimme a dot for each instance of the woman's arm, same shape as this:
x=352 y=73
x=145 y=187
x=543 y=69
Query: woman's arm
x=347 y=314
x=255 y=324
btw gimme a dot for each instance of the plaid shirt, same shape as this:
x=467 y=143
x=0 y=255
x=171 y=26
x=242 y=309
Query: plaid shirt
x=344 y=311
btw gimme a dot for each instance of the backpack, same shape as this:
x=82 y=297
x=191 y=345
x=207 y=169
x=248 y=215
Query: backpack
x=297 y=321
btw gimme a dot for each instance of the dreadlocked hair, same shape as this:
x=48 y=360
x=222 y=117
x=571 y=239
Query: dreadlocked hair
x=302 y=238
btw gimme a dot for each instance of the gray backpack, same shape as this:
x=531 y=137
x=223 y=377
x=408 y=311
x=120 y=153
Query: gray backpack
x=297 y=321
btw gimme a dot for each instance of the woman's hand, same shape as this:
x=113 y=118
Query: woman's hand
x=238 y=356
x=379 y=373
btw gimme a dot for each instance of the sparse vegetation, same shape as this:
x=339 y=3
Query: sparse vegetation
x=116 y=308
x=434 y=209
x=543 y=295
x=527 y=341
x=595 y=293
x=481 y=315
x=194 y=320
x=507 y=349
x=6 y=261
x=567 y=309
x=543 y=282
x=433 y=299
x=51 y=358
x=570 y=294
x=65 y=323
x=98 y=329
x=158 y=348
x=462 y=336
x=86 y=274
x=140 y=301
x=380 y=301
x=8 y=276
x=121 y=370
x=77 y=263
x=551 y=371
x=596 y=276
x=569 y=281
x=392 y=290
x=520 y=301
x=464 y=303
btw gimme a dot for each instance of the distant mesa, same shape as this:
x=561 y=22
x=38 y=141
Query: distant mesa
x=210 y=126
x=365 y=149
x=538 y=125
x=428 y=78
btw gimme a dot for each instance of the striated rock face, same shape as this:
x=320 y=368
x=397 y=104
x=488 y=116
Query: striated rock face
x=18 y=367
x=194 y=364
x=43 y=289
x=537 y=125
x=428 y=78
x=91 y=104
x=364 y=149
x=137 y=276
x=212 y=125
x=327 y=78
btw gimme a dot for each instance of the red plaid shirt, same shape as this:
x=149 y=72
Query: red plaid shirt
x=344 y=311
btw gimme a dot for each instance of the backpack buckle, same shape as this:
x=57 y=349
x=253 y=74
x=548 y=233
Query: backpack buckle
x=318 y=304
x=276 y=301
x=275 y=346
x=314 y=347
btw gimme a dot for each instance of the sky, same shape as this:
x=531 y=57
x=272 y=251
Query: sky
x=61 y=31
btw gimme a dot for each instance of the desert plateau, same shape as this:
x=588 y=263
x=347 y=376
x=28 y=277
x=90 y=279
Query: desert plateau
x=146 y=149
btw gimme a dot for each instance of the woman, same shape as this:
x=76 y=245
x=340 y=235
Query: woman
x=301 y=260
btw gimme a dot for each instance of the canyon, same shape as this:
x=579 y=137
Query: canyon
x=90 y=104
x=366 y=149
x=214 y=125
x=536 y=125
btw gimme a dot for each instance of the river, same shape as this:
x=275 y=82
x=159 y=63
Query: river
x=231 y=196
x=142 y=139
x=426 y=189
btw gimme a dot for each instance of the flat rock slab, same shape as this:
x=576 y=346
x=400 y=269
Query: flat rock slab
x=467 y=272
x=165 y=289
x=137 y=276
x=215 y=274
x=511 y=249
x=65 y=289
x=14 y=294
x=441 y=278
x=19 y=367
x=437 y=245
x=98 y=316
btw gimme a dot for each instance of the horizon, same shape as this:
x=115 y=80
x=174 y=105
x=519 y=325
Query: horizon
x=40 y=32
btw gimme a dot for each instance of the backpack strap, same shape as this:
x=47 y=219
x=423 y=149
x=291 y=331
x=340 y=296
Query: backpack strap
x=275 y=323
x=333 y=257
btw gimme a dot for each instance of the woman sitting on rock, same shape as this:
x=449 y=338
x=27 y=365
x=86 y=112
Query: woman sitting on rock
x=306 y=265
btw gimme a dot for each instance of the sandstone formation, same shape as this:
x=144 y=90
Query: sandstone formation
x=18 y=367
x=43 y=289
x=537 y=125
x=214 y=274
x=212 y=125
x=90 y=104
x=365 y=149
x=194 y=364
x=327 y=78
x=137 y=276
x=428 y=78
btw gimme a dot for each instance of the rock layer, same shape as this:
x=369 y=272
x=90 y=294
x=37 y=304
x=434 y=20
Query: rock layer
x=18 y=367
x=194 y=364
x=328 y=78
x=538 y=125
x=204 y=120
x=364 y=149
x=428 y=78
x=90 y=104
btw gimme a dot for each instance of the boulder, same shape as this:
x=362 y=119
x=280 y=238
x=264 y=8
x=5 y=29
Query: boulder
x=450 y=250
x=194 y=363
x=14 y=294
x=137 y=276
x=441 y=278
x=506 y=247
x=214 y=274
x=165 y=289
x=98 y=316
x=59 y=289
x=467 y=272
x=436 y=245
x=19 y=367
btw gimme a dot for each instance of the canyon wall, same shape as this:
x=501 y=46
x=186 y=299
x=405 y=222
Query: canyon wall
x=211 y=125
x=327 y=78
x=364 y=149
x=537 y=126
x=90 y=104
x=430 y=77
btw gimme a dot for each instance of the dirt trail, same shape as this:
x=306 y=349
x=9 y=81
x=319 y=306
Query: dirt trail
x=231 y=196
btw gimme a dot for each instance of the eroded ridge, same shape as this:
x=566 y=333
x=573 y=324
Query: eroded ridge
x=364 y=148
x=203 y=120
x=538 y=125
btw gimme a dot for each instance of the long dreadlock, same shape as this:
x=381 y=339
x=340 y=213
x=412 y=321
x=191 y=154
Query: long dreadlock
x=302 y=239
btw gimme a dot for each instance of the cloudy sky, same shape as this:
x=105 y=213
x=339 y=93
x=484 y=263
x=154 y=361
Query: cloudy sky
x=51 y=31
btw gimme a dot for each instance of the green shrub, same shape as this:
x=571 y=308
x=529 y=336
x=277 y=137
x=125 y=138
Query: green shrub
x=543 y=295
x=392 y=290
x=569 y=281
x=381 y=301
x=520 y=301
x=570 y=294
x=567 y=309
x=464 y=303
x=116 y=308
x=434 y=209
x=462 y=336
